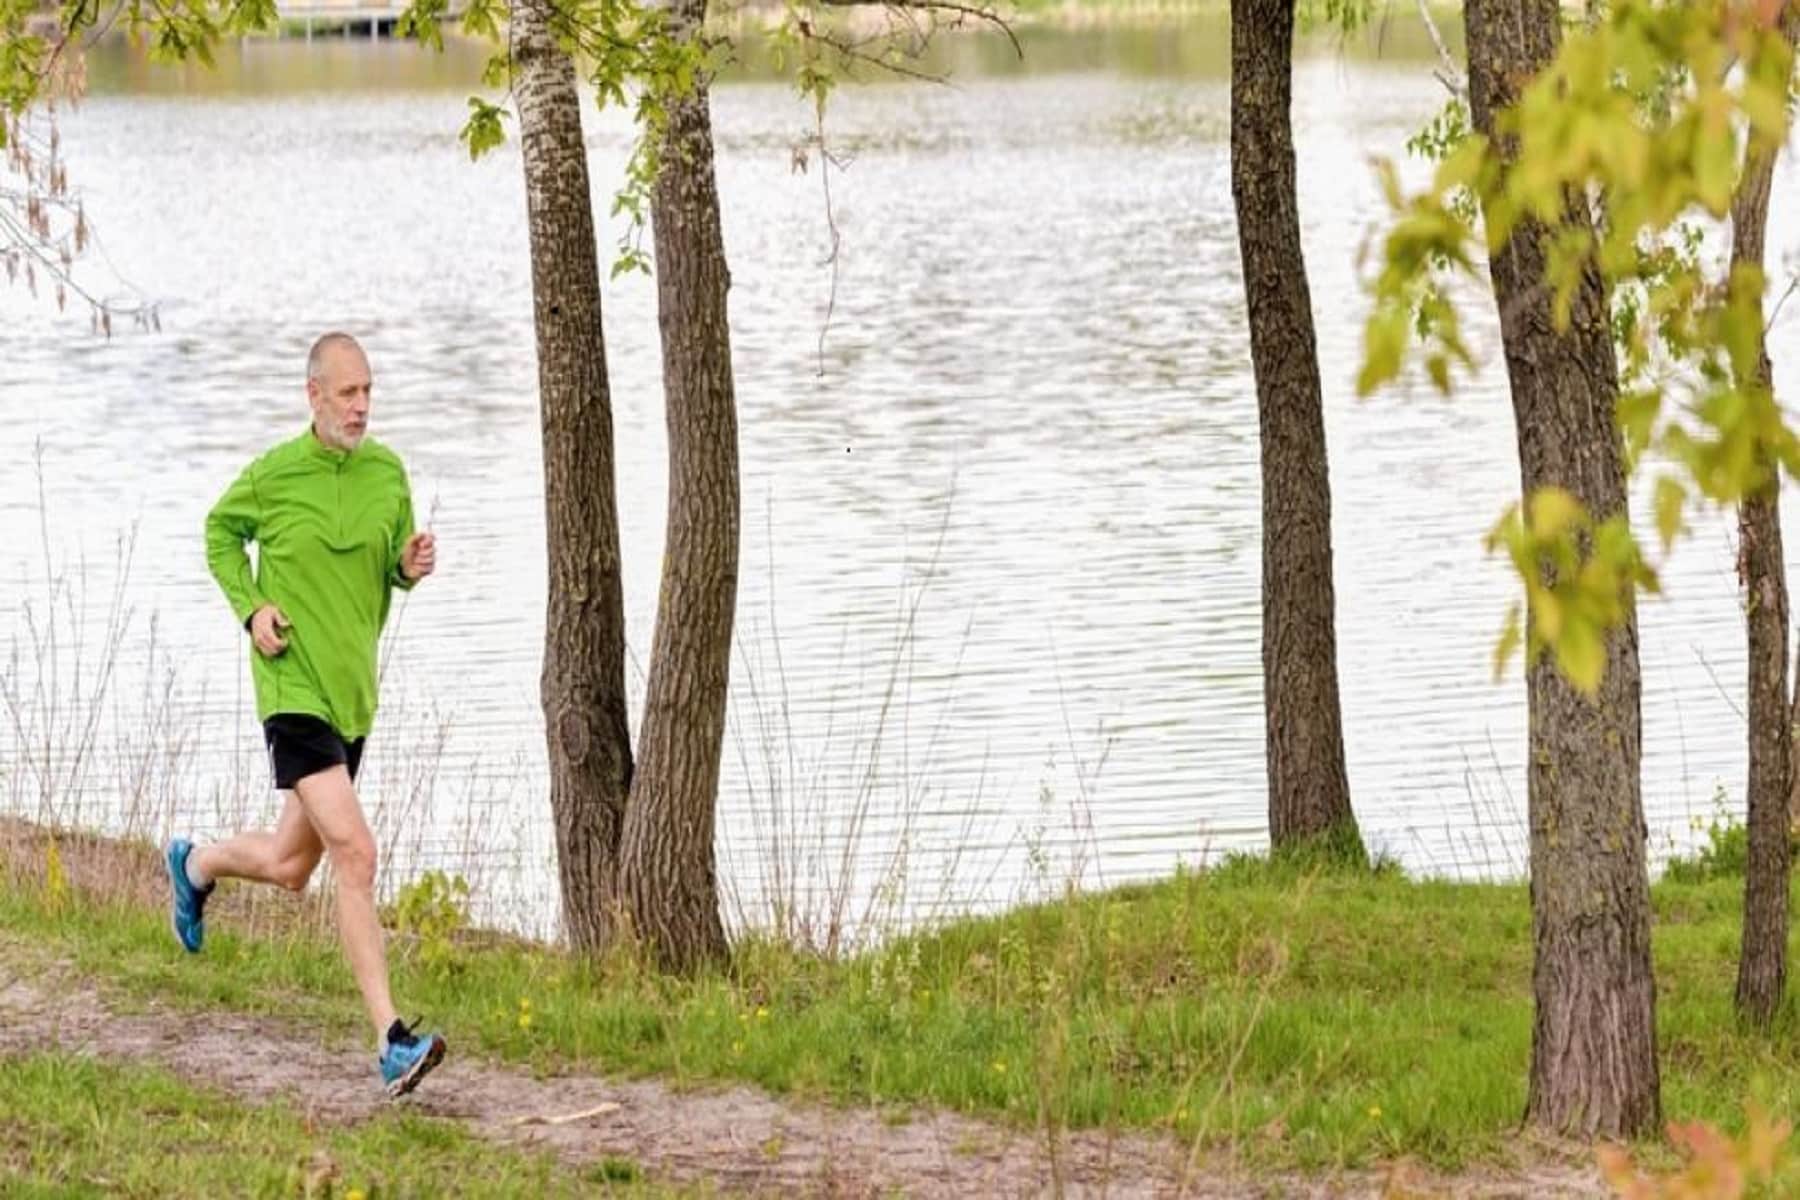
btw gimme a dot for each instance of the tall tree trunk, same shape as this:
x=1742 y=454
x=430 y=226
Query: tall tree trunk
x=1593 y=1045
x=667 y=863
x=583 y=681
x=1762 y=964
x=1309 y=790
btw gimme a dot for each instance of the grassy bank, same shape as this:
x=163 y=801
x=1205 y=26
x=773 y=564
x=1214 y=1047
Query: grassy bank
x=73 y=1127
x=1288 y=1017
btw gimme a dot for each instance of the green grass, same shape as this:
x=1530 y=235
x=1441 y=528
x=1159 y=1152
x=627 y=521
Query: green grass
x=70 y=1126
x=1306 y=1018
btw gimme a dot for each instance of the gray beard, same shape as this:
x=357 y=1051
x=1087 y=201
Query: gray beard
x=335 y=437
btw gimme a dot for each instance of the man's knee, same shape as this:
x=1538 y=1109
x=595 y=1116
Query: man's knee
x=354 y=862
x=295 y=872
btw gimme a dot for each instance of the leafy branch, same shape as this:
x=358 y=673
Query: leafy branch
x=1639 y=113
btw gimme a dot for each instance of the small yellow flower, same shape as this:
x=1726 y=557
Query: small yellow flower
x=999 y=1066
x=1181 y=1114
x=737 y=1047
x=1375 y=1112
x=355 y=1194
x=762 y=1014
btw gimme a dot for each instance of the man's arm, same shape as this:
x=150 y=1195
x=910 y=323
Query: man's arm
x=403 y=532
x=233 y=522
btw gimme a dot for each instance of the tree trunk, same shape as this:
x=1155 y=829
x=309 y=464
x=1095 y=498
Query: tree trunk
x=1593 y=1051
x=583 y=681
x=1762 y=964
x=667 y=864
x=1309 y=790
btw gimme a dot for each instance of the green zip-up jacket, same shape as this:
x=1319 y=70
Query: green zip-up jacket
x=330 y=526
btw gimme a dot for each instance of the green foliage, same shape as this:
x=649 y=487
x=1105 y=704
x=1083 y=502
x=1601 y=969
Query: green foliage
x=483 y=131
x=1346 y=16
x=632 y=55
x=1441 y=137
x=433 y=909
x=1639 y=112
x=1579 y=577
x=422 y=21
x=1724 y=855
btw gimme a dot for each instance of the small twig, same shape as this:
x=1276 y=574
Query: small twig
x=962 y=10
x=826 y=162
x=1793 y=285
x=586 y=1114
x=852 y=51
x=1713 y=675
x=1448 y=73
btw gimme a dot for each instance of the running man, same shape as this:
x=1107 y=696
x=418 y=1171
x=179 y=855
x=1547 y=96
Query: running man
x=331 y=514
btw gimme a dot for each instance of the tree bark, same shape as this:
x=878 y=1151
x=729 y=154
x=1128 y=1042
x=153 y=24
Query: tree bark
x=1762 y=963
x=667 y=862
x=1593 y=1051
x=1309 y=789
x=583 y=680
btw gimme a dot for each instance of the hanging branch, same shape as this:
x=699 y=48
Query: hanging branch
x=43 y=220
x=1449 y=72
x=959 y=13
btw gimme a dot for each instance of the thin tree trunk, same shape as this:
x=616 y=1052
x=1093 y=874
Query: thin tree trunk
x=667 y=863
x=1309 y=790
x=583 y=680
x=1762 y=964
x=1593 y=1051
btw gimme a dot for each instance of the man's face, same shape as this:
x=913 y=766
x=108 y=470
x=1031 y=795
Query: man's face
x=340 y=397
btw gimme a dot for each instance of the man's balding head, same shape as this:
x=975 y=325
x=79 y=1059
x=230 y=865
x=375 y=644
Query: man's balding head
x=338 y=385
x=328 y=345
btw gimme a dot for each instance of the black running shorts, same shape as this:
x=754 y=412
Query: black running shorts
x=301 y=745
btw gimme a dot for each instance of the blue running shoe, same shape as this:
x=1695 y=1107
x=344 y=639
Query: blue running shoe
x=408 y=1057
x=188 y=914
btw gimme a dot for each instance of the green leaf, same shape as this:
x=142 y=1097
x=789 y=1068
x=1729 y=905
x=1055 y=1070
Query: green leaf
x=1554 y=512
x=480 y=20
x=1507 y=530
x=630 y=259
x=1511 y=636
x=483 y=131
x=1384 y=344
x=1547 y=612
x=1438 y=367
x=1581 y=656
x=1671 y=498
x=1389 y=178
x=1636 y=413
x=1463 y=166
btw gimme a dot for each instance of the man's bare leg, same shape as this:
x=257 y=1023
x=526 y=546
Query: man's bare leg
x=330 y=803
x=285 y=858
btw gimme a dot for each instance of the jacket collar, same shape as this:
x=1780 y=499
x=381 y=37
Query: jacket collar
x=319 y=450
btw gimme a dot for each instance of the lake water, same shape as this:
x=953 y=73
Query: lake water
x=999 y=611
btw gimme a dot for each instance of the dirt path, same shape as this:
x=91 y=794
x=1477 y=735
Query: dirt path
x=740 y=1140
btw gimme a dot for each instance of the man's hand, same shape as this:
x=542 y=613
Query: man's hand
x=265 y=630
x=419 y=559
